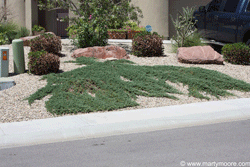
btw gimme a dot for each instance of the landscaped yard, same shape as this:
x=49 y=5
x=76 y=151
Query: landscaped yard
x=101 y=85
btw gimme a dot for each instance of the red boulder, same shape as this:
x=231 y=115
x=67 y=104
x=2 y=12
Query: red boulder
x=199 y=55
x=102 y=52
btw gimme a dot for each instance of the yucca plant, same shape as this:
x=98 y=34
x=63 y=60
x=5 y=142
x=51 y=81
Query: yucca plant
x=192 y=40
x=184 y=26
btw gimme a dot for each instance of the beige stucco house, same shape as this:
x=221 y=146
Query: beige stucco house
x=156 y=13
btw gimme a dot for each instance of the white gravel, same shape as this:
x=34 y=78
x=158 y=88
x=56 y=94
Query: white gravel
x=13 y=107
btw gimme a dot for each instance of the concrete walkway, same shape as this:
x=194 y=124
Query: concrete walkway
x=121 y=122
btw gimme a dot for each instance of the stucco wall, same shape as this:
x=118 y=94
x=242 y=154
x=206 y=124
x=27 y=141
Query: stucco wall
x=31 y=14
x=17 y=9
x=155 y=13
x=23 y=13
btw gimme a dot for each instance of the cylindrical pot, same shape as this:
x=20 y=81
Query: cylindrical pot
x=131 y=34
x=18 y=56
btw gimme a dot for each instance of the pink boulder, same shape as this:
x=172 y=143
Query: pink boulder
x=26 y=40
x=199 y=55
x=102 y=52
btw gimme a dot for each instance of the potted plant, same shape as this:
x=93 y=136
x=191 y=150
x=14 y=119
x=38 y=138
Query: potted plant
x=132 y=29
x=36 y=30
x=117 y=33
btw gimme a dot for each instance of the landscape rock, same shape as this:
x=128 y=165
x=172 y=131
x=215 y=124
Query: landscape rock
x=26 y=40
x=105 y=52
x=199 y=55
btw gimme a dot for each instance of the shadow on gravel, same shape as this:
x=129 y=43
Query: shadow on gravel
x=14 y=74
x=61 y=55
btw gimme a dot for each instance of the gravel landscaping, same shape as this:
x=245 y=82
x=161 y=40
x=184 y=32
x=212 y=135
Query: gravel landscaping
x=14 y=108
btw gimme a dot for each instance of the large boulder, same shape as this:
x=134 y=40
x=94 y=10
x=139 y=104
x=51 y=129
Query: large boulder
x=102 y=52
x=199 y=55
x=26 y=40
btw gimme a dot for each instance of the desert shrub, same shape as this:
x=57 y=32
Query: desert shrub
x=47 y=42
x=89 y=34
x=3 y=38
x=71 y=30
x=184 y=25
x=42 y=62
x=10 y=30
x=146 y=44
x=22 y=32
x=192 y=40
x=237 y=53
x=38 y=28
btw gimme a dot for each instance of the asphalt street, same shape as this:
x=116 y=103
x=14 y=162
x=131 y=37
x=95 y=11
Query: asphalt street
x=221 y=142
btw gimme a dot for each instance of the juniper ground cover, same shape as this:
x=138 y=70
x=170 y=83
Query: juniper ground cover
x=111 y=85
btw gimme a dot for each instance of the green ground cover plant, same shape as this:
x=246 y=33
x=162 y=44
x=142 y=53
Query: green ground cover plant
x=111 y=85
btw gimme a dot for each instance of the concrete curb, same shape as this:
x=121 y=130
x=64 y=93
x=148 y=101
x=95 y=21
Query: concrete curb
x=121 y=122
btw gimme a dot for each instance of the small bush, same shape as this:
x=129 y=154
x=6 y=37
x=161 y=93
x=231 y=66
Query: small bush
x=3 y=38
x=71 y=30
x=90 y=34
x=237 y=53
x=146 y=44
x=22 y=32
x=10 y=30
x=38 y=28
x=47 y=42
x=192 y=40
x=42 y=62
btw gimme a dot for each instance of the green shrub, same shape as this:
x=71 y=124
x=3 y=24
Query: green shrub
x=48 y=42
x=71 y=30
x=146 y=44
x=3 y=38
x=131 y=24
x=10 y=29
x=116 y=30
x=22 y=32
x=143 y=33
x=42 y=62
x=237 y=53
x=90 y=34
x=192 y=40
x=38 y=28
